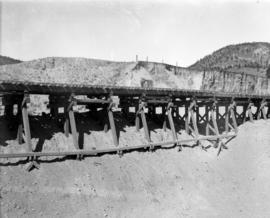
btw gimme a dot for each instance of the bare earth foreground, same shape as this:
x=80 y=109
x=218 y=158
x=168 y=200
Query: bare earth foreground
x=164 y=183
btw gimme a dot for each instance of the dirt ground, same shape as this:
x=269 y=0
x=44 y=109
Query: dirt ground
x=163 y=183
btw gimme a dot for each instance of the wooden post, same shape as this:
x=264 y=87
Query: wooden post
x=141 y=113
x=137 y=119
x=164 y=126
x=73 y=122
x=73 y=128
x=66 y=123
x=261 y=110
x=20 y=123
x=268 y=110
x=145 y=127
x=169 y=114
x=213 y=117
x=112 y=124
x=20 y=134
x=227 y=117
x=187 y=120
x=234 y=119
x=191 y=110
x=194 y=123
x=230 y=113
x=250 y=114
x=26 y=125
x=207 y=120
x=197 y=114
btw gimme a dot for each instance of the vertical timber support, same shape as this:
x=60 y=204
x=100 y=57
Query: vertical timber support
x=187 y=119
x=72 y=121
x=268 y=110
x=191 y=116
x=111 y=120
x=26 y=125
x=141 y=112
x=249 y=110
x=207 y=120
x=261 y=110
x=164 y=125
x=137 y=118
x=230 y=114
x=170 y=118
x=214 y=114
x=20 y=122
x=27 y=133
x=66 y=122
x=214 y=127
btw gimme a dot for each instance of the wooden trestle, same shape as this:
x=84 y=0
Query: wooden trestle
x=210 y=123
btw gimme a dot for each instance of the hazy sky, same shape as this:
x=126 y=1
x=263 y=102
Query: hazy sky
x=175 y=31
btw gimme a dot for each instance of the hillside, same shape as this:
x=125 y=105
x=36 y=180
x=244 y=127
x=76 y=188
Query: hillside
x=7 y=60
x=251 y=58
x=101 y=72
x=132 y=74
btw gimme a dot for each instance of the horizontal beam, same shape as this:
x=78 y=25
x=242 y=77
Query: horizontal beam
x=91 y=101
x=14 y=87
x=113 y=149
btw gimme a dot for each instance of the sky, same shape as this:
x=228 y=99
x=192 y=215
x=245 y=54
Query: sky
x=170 y=31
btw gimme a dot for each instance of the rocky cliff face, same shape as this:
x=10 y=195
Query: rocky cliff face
x=235 y=82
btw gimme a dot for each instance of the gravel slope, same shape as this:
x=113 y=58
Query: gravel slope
x=164 y=183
